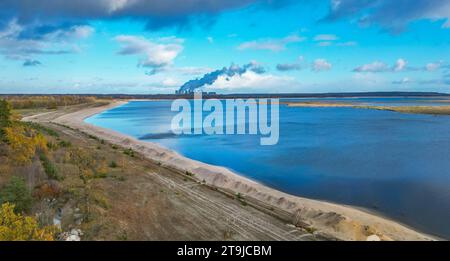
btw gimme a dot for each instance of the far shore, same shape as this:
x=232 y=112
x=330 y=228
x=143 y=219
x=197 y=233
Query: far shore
x=339 y=221
x=428 y=109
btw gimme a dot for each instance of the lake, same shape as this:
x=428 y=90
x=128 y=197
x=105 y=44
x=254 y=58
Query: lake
x=394 y=164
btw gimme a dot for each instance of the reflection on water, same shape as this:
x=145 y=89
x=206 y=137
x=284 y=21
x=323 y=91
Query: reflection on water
x=396 y=164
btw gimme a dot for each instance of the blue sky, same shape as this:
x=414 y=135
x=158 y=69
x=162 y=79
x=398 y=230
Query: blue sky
x=155 y=46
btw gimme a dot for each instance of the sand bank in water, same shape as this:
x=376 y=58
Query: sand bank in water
x=435 y=109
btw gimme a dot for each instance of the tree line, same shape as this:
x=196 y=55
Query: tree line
x=49 y=102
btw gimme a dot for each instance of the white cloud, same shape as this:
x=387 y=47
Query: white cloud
x=297 y=65
x=324 y=44
x=405 y=80
x=210 y=39
x=325 y=37
x=170 y=82
x=271 y=44
x=171 y=39
x=320 y=65
x=433 y=66
x=74 y=32
x=400 y=65
x=251 y=81
x=192 y=70
x=325 y=40
x=349 y=43
x=376 y=66
x=154 y=54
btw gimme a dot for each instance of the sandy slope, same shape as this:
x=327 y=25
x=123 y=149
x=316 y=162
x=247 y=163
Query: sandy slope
x=343 y=222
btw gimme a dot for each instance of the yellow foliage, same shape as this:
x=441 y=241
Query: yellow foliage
x=15 y=227
x=40 y=142
x=22 y=147
x=86 y=173
x=23 y=143
x=102 y=167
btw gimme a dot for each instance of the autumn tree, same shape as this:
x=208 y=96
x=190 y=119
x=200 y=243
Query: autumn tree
x=22 y=148
x=23 y=143
x=16 y=227
x=5 y=117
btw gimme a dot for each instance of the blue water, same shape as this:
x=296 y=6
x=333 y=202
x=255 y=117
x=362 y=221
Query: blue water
x=392 y=163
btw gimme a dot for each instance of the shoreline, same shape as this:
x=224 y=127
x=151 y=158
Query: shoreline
x=340 y=221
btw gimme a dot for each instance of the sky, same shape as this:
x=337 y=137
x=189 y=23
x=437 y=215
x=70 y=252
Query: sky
x=229 y=46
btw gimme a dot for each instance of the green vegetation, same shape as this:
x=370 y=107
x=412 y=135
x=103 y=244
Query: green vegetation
x=241 y=199
x=129 y=152
x=113 y=164
x=51 y=146
x=41 y=128
x=65 y=144
x=16 y=192
x=5 y=117
x=92 y=137
x=121 y=178
x=49 y=168
x=101 y=175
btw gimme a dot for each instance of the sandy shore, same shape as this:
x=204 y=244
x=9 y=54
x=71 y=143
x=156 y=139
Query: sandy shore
x=340 y=221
